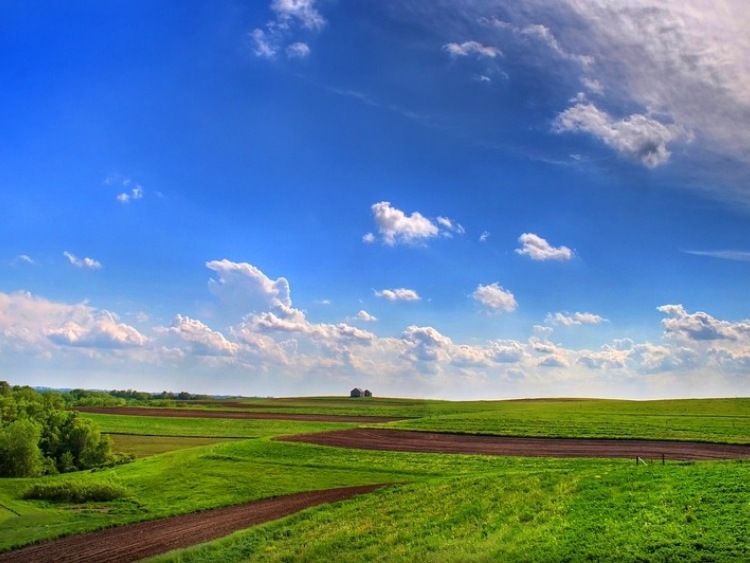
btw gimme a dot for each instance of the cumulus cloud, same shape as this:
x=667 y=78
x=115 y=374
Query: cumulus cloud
x=536 y=248
x=471 y=48
x=32 y=323
x=88 y=263
x=637 y=136
x=494 y=298
x=102 y=331
x=574 y=319
x=201 y=339
x=364 y=316
x=682 y=325
x=396 y=227
x=244 y=288
x=400 y=294
x=426 y=344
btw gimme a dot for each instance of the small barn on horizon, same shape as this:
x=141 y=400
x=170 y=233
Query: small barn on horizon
x=358 y=392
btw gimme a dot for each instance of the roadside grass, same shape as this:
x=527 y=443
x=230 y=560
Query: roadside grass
x=586 y=510
x=144 y=446
x=207 y=427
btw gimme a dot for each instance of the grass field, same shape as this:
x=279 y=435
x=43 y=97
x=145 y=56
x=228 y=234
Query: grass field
x=440 y=507
x=144 y=446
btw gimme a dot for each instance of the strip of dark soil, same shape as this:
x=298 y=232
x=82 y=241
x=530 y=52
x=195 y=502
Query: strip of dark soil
x=134 y=542
x=431 y=442
x=197 y=413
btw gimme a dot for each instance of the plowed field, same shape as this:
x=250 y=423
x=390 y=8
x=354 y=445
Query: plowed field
x=146 y=539
x=406 y=441
x=198 y=413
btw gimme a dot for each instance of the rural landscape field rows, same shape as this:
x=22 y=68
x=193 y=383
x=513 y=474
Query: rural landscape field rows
x=623 y=493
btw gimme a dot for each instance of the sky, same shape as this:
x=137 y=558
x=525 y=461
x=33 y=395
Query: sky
x=443 y=199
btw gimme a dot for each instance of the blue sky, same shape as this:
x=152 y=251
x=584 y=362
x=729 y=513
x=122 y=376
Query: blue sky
x=450 y=199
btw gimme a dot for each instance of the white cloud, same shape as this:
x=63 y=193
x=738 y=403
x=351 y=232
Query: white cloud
x=202 y=340
x=495 y=298
x=735 y=255
x=400 y=294
x=244 y=288
x=684 y=58
x=507 y=351
x=426 y=344
x=471 y=47
x=134 y=194
x=263 y=44
x=102 y=331
x=396 y=227
x=682 y=325
x=536 y=248
x=22 y=259
x=298 y=50
x=484 y=236
x=449 y=226
x=275 y=37
x=574 y=319
x=366 y=317
x=637 y=136
x=303 y=11
x=33 y=323
x=88 y=263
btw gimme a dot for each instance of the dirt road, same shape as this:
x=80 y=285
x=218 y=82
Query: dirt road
x=134 y=542
x=198 y=413
x=406 y=441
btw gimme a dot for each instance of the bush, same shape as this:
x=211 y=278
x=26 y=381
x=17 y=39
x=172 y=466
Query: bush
x=76 y=491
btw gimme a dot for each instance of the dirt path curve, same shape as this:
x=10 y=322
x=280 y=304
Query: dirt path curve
x=134 y=542
x=197 y=413
x=407 y=441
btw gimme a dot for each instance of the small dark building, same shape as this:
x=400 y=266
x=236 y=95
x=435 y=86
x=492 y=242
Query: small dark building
x=356 y=392
x=368 y=393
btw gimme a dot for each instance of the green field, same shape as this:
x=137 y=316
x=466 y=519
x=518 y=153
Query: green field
x=439 y=507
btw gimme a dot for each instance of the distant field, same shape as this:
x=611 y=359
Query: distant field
x=207 y=427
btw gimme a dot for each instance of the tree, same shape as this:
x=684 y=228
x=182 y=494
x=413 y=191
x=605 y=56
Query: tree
x=20 y=455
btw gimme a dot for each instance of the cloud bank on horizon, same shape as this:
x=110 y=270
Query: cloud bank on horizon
x=469 y=198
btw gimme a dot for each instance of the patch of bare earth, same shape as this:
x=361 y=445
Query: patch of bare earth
x=134 y=542
x=198 y=413
x=432 y=442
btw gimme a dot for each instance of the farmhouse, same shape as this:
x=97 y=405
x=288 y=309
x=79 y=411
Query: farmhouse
x=358 y=392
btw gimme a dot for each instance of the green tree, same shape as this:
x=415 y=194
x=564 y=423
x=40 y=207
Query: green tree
x=20 y=455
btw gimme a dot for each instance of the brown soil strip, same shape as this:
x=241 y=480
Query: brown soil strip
x=134 y=542
x=407 y=441
x=197 y=413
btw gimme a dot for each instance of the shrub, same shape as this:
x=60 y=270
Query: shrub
x=76 y=491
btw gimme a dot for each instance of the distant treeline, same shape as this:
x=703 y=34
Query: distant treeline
x=90 y=398
x=40 y=435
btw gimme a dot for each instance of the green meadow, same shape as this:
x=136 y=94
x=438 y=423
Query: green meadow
x=438 y=507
